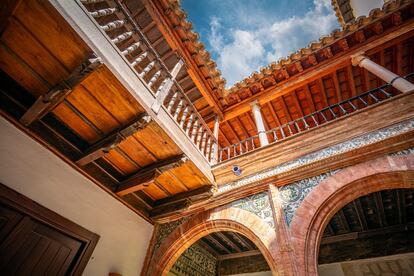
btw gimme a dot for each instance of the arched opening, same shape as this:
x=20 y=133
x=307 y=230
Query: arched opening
x=227 y=219
x=221 y=253
x=330 y=196
x=373 y=233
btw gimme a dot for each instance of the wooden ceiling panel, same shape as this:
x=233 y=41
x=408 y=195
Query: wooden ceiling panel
x=73 y=121
x=45 y=24
x=107 y=89
x=82 y=100
x=120 y=160
x=36 y=56
x=154 y=192
x=171 y=183
x=137 y=152
x=157 y=142
x=190 y=175
x=20 y=72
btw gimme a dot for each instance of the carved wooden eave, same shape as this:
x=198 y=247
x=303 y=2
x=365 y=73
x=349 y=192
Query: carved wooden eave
x=340 y=9
x=328 y=47
x=199 y=58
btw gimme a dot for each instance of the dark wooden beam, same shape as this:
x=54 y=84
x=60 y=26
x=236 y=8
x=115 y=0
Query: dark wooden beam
x=360 y=213
x=47 y=102
x=7 y=9
x=170 y=209
x=239 y=255
x=147 y=175
x=103 y=146
x=344 y=222
x=203 y=192
x=272 y=110
x=367 y=234
x=380 y=209
x=207 y=247
x=217 y=243
x=244 y=241
x=229 y=241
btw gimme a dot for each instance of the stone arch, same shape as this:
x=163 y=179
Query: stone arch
x=219 y=219
x=321 y=204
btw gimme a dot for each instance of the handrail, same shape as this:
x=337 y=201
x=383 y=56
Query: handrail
x=320 y=117
x=155 y=74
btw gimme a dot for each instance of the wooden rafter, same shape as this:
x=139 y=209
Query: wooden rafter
x=351 y=82
x=380 y=209
x=336 y=86
x=207 y=246
x=344 y=222
x=103 y=146
x=147 y=175
x=228 y=241
x=240 y=255
x=47 y=102
x=216 y=241
x=360 y=214
x=285 y=109
x=203 y=192
x=272 y=110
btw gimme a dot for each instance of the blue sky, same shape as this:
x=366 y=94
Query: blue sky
x=244 y=35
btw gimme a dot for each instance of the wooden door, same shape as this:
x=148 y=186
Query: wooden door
x=33 y=243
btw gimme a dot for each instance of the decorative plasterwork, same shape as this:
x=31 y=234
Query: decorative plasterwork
x=352 y=144
x=166 y=228
x=292 y=195
x=257 y=204
x=195 y=261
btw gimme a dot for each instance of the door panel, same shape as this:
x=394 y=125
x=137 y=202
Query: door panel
x=32 y=244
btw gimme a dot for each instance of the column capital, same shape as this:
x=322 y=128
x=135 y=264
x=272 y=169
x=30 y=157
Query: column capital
x=357 y=58
x=255 y=103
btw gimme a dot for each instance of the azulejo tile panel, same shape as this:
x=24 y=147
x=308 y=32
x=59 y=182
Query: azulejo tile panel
x=292 y=195
x=355 y=143
x=258 y=204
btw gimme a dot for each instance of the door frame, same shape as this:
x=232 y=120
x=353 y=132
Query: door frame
x=46 y=216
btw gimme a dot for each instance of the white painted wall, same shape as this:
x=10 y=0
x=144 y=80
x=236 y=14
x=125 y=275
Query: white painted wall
x=30 y=169
x=363 y=7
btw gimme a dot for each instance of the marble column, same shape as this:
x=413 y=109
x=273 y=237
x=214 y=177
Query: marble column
x=259 y=123
x=386 y=75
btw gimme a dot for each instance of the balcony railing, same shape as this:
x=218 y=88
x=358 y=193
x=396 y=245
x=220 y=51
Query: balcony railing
x=320 y=117
x=114 y=18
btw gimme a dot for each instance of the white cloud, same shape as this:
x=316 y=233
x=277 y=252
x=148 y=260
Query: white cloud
x=244 y=51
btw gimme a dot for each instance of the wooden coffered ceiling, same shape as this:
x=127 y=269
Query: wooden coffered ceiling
x=299 y=84
x=375 y=225
x=97 y=126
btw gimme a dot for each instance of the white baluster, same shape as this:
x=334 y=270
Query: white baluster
x=139 y=59
x=147 y=69
x=131 y=48
x=184 y=116
x=113 y=25
x=194 y=131
x=189 y=124
x=172 y=102
x=154 y=78
x=178 y=109
x=103 y=12
x=122 y=37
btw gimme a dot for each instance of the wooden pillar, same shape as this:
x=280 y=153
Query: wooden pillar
x=386 y=75
x=166 y=87
x=259 y=123
x=216 y=144
x=287 y=256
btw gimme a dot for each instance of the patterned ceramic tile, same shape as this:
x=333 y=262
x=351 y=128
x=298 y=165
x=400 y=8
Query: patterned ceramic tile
x=257 y=204
x=358 y=142
x=293 y=194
